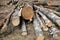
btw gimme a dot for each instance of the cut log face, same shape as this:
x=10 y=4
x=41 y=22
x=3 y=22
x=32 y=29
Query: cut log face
x=37 y=27
x=15 y=18
x=40 y=37
x=27 y=13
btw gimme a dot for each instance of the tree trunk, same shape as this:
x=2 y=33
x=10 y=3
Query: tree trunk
x=38 y=29
x=24 y=29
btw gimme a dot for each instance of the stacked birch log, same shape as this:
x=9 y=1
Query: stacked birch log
x=44 y=19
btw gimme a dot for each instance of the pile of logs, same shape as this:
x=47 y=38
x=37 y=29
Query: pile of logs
x=44 y=19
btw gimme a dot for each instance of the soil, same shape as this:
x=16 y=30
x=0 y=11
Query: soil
x=16 y=33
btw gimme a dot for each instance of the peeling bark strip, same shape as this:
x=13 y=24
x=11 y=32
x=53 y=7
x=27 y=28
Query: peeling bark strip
x=24 y=29
x=47 y=21
x=27 y=12
x=51 y=16
x=38 y=30
x=15 y=18
x=41 y=21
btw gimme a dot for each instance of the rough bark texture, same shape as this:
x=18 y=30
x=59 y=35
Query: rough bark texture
x=47 y=21
x=51 y=15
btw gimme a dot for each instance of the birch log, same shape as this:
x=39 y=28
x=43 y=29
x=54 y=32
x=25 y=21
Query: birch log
x=19 y=14
x=38 y=30
x=47 y=21
x=42 y=23
x=55 y=12
x=15 y=18
x=24 y=29
x=50 y=15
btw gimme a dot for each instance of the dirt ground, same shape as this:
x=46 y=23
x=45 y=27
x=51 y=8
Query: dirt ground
x=16 y=34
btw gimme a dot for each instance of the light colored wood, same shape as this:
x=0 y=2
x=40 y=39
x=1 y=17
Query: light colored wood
x=27 y=13
x=24 y=33
x=15 y=18
x=40 y=37
x=51 y=15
